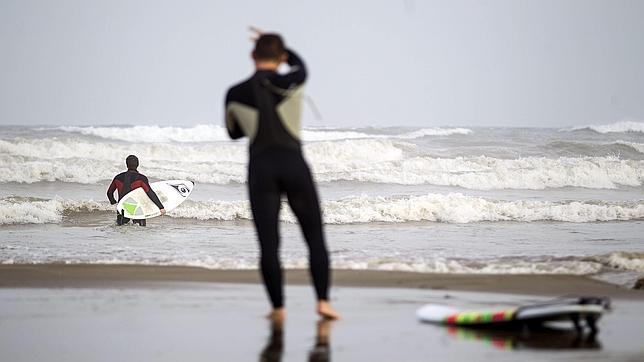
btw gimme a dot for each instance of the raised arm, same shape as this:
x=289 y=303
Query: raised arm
x=297 y=74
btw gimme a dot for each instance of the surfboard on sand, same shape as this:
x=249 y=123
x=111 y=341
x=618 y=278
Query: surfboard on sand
x=582 y=312
x=137 y=205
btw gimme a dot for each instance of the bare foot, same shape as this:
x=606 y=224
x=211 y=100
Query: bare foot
x=277 y=316
x=326 y=311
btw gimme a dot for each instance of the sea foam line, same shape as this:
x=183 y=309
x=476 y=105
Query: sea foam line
x=572 y=265
x=449 y=208
x=215 y=133
x=617 y=127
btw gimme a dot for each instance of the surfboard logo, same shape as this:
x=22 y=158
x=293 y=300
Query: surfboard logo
x=183 y=189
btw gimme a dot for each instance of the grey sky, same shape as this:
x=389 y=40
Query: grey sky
x=372 y=63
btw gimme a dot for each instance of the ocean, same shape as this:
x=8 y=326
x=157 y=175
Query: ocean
x=448 y=200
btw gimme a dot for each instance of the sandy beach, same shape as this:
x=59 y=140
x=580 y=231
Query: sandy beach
x=109 y=276
x=83 y=312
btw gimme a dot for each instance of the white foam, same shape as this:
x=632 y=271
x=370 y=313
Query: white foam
x=21 y=210
x=488 y=173
x=17 y=211
x=450 y=208
x=214 y=133
x=34 y=160
x=570 y=266
x=213 y=210
x=360 y=160
x=333 y=135
x=458 y=208
x=617 y=127
x=623 y=261
x=422 y=265
x=137 y=134
x=435 y=132
x=463 y=266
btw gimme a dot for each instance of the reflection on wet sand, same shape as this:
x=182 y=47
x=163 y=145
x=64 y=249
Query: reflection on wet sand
x=320 y=352
x=272 y=352
x=541 y=338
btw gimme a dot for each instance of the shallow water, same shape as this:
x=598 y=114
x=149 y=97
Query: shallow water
x=455 y=200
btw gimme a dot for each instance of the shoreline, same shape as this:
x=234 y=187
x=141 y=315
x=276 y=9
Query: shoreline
x=151 y=276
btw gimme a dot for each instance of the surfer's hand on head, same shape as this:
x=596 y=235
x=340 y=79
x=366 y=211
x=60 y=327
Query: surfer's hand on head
x=257 y=32
x=162 y=212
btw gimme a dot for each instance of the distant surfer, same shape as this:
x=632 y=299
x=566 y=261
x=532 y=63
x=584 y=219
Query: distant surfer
x=266 y=109
x=128 y=181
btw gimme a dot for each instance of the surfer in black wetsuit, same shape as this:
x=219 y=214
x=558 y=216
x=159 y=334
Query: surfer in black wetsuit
x=128 y=181
x=266 y=109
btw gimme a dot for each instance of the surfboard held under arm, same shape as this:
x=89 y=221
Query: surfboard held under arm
x=137 y=205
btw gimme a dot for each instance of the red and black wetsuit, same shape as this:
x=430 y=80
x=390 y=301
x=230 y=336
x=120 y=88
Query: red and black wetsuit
x=127 y=181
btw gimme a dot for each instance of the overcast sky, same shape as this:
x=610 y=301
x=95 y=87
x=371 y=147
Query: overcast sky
x=372 y=63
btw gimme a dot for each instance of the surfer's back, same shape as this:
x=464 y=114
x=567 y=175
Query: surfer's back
x=266 y=108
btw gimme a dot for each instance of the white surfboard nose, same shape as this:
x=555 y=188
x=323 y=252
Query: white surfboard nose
x=184 y=187
x=434 y=312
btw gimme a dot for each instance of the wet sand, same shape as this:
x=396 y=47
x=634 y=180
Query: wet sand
x=104 y=313
x=97 y=276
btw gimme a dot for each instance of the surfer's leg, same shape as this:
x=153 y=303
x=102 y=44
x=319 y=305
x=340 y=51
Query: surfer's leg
x=303 y=199
x=120 y=220
x=307 y=210
x=265 y=205
x=265 y=208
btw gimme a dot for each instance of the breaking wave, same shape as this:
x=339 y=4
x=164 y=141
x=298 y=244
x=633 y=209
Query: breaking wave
x=136 y=134
x=450 y=208
x=364 y=160
x=620 y=261
x=617 y=127
x=213 y=133
x=435 y=132
x=639 y=147
x=31 y=210
x=623 y=260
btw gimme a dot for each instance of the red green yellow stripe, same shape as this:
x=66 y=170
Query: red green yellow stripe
x=479 y=317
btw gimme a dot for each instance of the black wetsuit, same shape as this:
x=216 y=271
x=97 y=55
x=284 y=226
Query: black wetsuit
x=266 y=108
x=126 y=182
